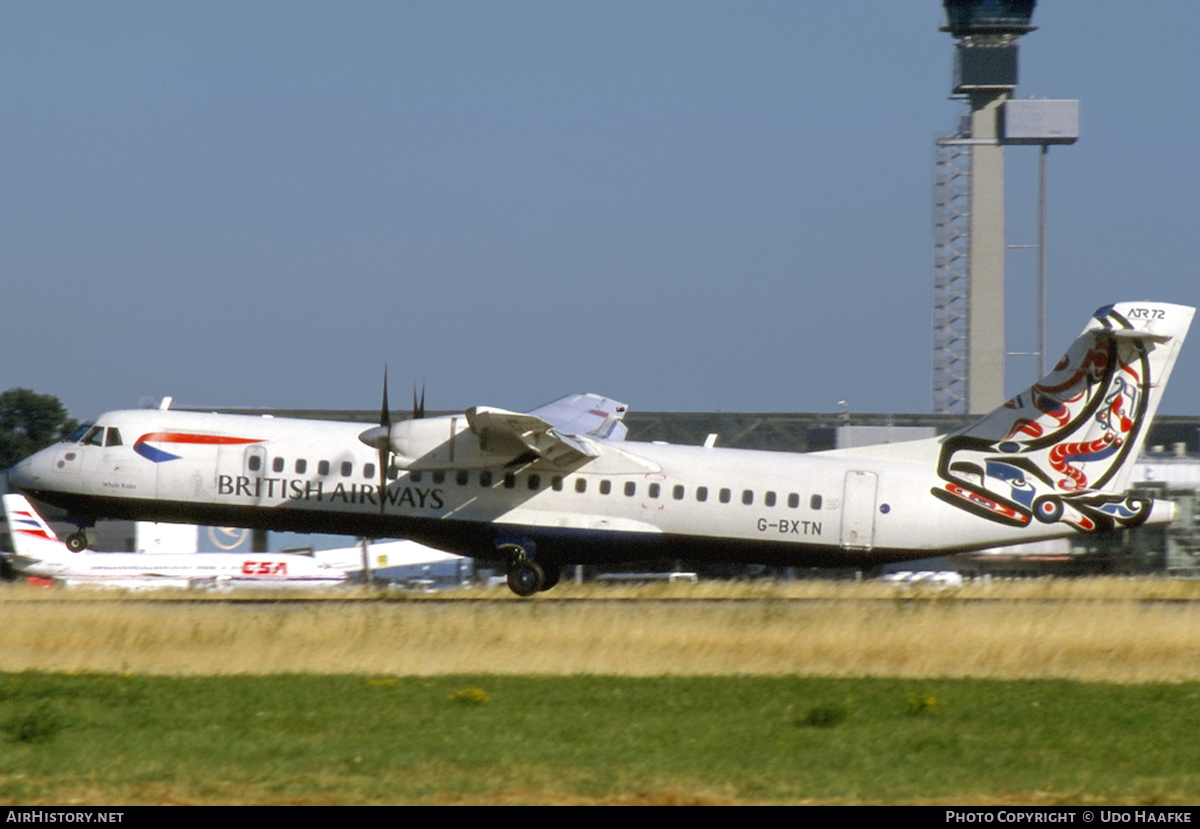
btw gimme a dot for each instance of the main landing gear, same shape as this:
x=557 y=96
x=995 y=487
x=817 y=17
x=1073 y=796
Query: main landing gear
x=526 y=576
x=76 y=542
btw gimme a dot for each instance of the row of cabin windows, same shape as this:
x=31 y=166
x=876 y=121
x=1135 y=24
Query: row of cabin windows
x=654 y=490
x=462 y=477
x=255 y=463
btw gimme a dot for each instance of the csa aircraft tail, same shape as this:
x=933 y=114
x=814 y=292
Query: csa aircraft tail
x=38 y=552
x=561 y=484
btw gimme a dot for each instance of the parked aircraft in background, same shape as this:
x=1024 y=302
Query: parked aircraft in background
x=560 y=485
x=38 y=552
x=395 y=560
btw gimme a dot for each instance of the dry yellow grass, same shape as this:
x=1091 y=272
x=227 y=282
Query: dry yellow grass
x=1106 y=629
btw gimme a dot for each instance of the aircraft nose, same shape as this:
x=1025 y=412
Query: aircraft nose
x=21 y=475
x=28 y=473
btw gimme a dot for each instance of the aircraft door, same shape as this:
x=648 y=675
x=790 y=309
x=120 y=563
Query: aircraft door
x=858 y=510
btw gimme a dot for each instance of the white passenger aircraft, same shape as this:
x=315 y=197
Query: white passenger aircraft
x=560 y=485
x=390 y=556
x=38 y=552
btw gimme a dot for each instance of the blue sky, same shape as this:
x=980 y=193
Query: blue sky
x=682 y=205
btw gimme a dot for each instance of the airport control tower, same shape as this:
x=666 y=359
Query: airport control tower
x=968 y=342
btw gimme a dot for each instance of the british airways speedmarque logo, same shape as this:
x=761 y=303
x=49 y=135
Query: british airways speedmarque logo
x=151 y=453
x=26 y=523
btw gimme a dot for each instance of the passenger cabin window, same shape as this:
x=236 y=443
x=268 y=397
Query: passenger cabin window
x=605 y=487
x=747 y=496
x=369 y=470
x=535 y=481
x=655 y=490
x=630 y=488
x=510 y=480
x=277 y=465
x=393 y=472
x=678 y=492
x=556 y=483
x=301 y=466
x=254 y=463
x=323 y=467
x=485 y=478
x=347 y=469
x=793 y=500
x=462 y=477
x=415 y=476
x=815 y=502
x=701 y=493
x=769 y=499
x=726 y=496
x=581 y=484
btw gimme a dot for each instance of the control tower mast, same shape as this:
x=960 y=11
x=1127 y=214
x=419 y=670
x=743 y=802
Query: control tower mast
x=985 y=73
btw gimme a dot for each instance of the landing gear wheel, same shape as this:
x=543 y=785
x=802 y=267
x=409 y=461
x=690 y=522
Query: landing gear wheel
x=77 y=542
x=552 y=573
x=525 y=577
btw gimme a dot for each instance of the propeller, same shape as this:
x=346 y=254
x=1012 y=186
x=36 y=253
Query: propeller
x=381 y=436
x=384 y=442
x=418 y=408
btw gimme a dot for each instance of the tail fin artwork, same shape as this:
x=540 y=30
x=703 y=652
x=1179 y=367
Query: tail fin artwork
x=1063 y=450
x=32 y=538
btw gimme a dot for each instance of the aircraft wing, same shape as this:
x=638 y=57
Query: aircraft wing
x=585 y=414
x=558 y=431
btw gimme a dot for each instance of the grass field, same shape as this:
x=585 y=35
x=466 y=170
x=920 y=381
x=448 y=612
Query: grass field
x=103 y=739
x=1108 y=633
x=1033 y=693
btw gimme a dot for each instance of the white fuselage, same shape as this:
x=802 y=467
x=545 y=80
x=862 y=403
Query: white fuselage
x=633 y=500
x=39 y=552
x=260 y=570
x=559 y=484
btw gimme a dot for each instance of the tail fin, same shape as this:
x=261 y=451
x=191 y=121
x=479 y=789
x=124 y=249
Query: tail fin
x=1079 y=429
x=32 y=538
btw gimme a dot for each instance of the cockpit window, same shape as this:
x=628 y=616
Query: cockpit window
x=79 y=432
x=113 y=438
x=93 y=437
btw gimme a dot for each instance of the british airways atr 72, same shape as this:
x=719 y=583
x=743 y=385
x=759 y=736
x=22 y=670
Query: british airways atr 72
x=560 y=484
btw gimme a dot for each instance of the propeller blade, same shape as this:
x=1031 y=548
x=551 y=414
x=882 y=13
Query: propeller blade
x=385 y=445
x=418 y=408
x=385 y=414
